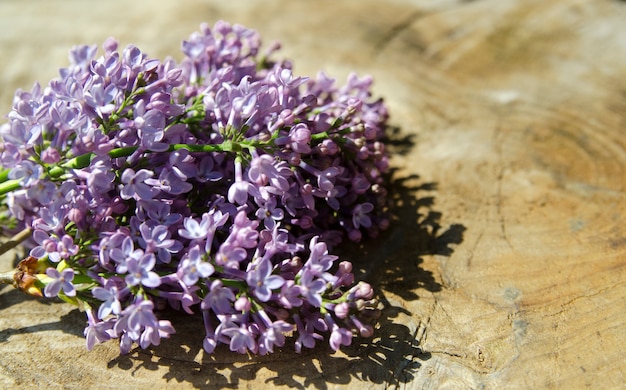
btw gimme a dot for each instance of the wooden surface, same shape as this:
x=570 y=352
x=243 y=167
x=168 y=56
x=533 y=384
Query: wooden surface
x=506 y=265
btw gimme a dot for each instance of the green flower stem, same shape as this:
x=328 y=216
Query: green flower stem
x=320 y=136
x=9 y=186
x=82 y=279
x=4 y=175
x=84 y=160
x=241 y=285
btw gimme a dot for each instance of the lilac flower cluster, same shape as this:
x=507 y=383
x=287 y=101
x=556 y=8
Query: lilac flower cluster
x=216 y=184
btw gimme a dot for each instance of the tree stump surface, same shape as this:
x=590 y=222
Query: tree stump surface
x=505 y=266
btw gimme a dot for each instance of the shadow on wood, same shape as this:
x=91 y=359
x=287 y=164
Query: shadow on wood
x=391 y=262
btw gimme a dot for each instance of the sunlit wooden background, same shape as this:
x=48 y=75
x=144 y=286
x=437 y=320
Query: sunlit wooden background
x=505 y=267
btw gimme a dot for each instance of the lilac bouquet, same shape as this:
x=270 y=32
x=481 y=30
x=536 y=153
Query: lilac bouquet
x=215 y=185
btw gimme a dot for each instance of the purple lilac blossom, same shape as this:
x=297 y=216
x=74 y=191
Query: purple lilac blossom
x=134 y=184
x=110 y=296
x=261 y=280
x=140 y=271
x=60 y=281
x=193 y=267
x=219 y=183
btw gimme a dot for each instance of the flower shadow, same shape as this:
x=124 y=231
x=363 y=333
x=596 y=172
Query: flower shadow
x=395 y=260
x=393 y=263
x=70 y=323
x=392 y=358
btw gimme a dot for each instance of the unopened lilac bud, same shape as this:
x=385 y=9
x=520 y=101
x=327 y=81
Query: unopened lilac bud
x=264 y=136
x=344 y=272
x=369 y=133
x=355 y=235
x=173 y=76
x=294 y=158
x=329 y=147
x=75 y=215
x=50 y=156
x=342 y=310
x=307 y=189
x=353 y=106
x=347 y=279
x=345 y=267
x=243 y=304
x=306 y=222
x=363 y=153
x=382 y=165
x=309 y=100
x=358 y=130
x=296 y=262
x=287 y=117
x=364 y=291
x=360 y=184
x=364 y=329
x=109 y=45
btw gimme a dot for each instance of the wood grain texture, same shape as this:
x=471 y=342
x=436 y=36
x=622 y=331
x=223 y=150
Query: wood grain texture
x=505 y=267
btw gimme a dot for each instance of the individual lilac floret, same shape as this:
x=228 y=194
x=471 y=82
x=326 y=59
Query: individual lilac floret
x=110 y=295
x=140 y=271
x=157 y=240
x=312 y=288
x=60 y=281
x=261 y=280
x=360 y=215
x=339 y=336
x=274 y=335
x=97 y=332
x=134 y=184
x=219 y=298
x=138 y=323
x=241 y=340
x=27 y=172
x=193 y=267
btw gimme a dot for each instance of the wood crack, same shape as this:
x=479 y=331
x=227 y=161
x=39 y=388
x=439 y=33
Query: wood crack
x=587 y=296
x=449 y=353
x=497 y=142
x=396 y=30
x=473 y=250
